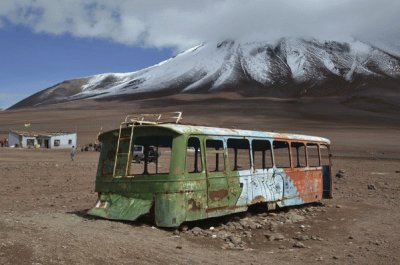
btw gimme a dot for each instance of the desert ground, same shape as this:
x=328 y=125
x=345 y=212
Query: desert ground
x=45 y=196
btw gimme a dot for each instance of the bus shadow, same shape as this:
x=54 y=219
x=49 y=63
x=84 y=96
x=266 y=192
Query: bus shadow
x=148 y=220
x=143 y=220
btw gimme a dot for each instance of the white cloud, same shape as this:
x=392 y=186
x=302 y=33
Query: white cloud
x=182 y=23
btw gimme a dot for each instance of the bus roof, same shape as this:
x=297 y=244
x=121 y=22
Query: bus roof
x=203 y=130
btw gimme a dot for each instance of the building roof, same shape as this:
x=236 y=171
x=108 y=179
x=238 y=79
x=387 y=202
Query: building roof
x=43 y=134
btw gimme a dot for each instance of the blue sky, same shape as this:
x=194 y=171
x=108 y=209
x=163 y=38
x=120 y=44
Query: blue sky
x=30 y=62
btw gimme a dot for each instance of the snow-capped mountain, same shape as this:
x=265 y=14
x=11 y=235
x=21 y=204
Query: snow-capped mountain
x=288 y=67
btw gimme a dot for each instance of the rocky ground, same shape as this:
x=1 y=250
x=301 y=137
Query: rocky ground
x=44 y=198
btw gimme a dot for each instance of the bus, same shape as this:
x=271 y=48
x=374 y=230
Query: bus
x=203 y=172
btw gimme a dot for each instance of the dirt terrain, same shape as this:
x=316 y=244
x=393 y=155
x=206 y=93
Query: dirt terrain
x=44 y=195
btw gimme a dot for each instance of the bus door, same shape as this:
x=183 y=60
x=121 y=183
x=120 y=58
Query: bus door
x=282 y=169
x=217 y=185
x=266 y=184
x=240 y=174
x=326 y=170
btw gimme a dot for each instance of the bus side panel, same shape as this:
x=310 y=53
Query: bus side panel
x=266 y=186
x=301 y=186
x=195 y=192
x=170 y=209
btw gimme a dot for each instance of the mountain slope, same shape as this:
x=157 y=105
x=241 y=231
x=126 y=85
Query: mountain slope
x=289 y=68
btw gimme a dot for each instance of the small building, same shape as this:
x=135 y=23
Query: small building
x=44 y=140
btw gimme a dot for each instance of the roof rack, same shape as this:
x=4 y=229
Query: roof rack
x=168 y=117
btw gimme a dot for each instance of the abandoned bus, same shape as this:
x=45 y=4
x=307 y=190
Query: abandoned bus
x=201 y=172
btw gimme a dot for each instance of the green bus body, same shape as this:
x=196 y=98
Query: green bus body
x=179 y=195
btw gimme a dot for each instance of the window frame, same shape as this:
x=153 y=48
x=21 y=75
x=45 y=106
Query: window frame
x=295 y=157
x=264 y=155
x=223 y=152
x=318 y=152
x=201 y=156
x=288 y=149
x=232 y=167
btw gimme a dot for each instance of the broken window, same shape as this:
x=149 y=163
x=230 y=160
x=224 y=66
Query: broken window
x=193 y=156
x=56 y=142
x=324 y=155
x=215 y=156
x=281 y=154
x=239 y=154
x=69 y=141
x=313 y=155
x=151 y=155
x=298 y=154
x=30 y=142
x=262 y=154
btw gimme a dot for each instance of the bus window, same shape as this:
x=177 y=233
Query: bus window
x=193 y=156
x=313 y=156
x=151 y=155
x=215 y=156
x=239 y=154
x=324 y=155
x=298 y=154
x=262 y=154
x=281 y=154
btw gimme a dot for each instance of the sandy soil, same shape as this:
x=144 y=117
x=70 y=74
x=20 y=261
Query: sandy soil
x=44 y=195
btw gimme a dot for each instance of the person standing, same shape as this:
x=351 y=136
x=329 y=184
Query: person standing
x=73 y=153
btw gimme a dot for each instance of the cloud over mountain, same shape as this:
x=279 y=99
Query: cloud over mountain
x=181 y=23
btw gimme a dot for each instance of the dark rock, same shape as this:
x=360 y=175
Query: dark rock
x=371 y=187
x=197 y=231
x=301 y=237
x=340 y=174
x=298 y=244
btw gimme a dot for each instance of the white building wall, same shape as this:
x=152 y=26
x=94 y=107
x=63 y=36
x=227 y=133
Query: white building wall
x=24 y=142
x=13 y=139
x=64 y=140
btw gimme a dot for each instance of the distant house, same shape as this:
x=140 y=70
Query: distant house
x=43 y=140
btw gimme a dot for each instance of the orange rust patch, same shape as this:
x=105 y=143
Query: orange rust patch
x=258 y=199
x=217 y=195
x=193 y=205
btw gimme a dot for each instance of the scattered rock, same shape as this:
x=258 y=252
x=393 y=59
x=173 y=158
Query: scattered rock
x=197 y=231
x=294 y=217
x=301 y=237
x=176 y=232
x=371 y=187
x=335 y=257
x=298 y=244
x=235 y=240
x=274 y=237
x=340 y=174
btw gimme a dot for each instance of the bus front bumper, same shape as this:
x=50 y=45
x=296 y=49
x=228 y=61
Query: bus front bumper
x=117 y=207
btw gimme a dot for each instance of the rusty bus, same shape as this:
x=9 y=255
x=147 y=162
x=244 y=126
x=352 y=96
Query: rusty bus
x=202 y=172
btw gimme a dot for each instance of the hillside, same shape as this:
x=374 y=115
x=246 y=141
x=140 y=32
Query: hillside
x=288 y=68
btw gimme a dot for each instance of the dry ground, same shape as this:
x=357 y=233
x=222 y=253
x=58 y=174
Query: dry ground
x=44 y=195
